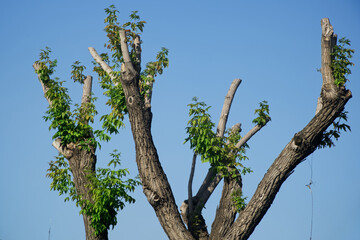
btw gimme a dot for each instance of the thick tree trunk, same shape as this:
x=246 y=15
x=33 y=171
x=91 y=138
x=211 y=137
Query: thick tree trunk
x=82 y=163
x=155 y=184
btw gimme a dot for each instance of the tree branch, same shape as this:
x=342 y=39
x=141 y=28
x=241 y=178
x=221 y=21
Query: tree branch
x=124 y=47
x=249 y=135
x=192 y=172
x=87 y=87
x=301 y=145
x=67 y=151
x=45 y=89
x=212 y=179
x=103 y=64
x=226 y=211
x=148 y=94
x=154 y=181
x=328 y=41
x=127 y=69
x=226 y=107
x=137 y=48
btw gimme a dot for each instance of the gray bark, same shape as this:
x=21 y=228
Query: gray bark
x=154 y=181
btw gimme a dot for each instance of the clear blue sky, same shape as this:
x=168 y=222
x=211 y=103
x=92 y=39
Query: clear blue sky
x=273 y=46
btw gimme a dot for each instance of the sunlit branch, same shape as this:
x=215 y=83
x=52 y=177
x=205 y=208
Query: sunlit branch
x=103 y=64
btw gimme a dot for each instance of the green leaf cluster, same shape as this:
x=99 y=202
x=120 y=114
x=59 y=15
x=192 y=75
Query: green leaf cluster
x=152 y=69
x=70 y=126
x=77 y=72
x=133 y=29
x=220 y=152
x=109 y=194
x=60 y=173
x=263 y=114
x=238 y=200
x=338 y=126
x=341 y=61
x=108 y=190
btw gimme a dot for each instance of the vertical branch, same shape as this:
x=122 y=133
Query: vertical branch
x=137 y=48
x=328 y=41
x=212 y=179
x=128 y=72
x=226 y=211
x=148 y=93
x=86 y=100
x=154 y=181
x=87 y=87
x=226 y=107
x=192 y=172
x=124 y=47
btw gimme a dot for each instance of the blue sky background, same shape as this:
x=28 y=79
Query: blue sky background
x=273 y=46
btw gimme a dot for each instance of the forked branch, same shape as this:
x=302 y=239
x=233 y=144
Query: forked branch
x=333 y=100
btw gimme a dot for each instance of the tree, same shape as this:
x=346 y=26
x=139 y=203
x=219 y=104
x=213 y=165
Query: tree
x=129 y=90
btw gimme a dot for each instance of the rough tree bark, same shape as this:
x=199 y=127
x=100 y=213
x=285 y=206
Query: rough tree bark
x=82 y=162
x=226 y=226
x=154 y=181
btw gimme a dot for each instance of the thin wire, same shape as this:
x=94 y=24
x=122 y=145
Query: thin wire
x=312 y=198
x=49 y=229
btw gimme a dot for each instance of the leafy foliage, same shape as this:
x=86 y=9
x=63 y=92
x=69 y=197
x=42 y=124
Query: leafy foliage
x=60 y=173
x=263 y=114
x=338 y=126
x=70 y=128
x=147 y=77
x=238 y=200
x=113 y=89
x=77 y=72
x=220 y=152
x=109 y=192
x=341 y=61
